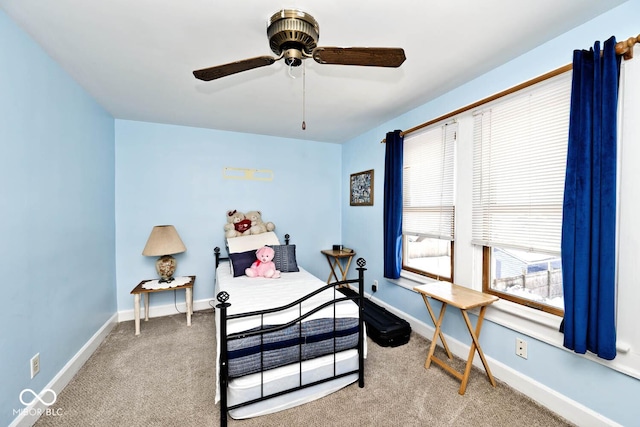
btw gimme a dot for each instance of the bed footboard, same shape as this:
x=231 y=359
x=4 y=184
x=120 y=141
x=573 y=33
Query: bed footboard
x=223 y=369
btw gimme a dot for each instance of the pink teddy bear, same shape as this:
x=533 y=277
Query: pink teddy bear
x=263 y=266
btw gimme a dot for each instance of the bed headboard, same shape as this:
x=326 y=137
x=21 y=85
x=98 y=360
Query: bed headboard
x=216 y=251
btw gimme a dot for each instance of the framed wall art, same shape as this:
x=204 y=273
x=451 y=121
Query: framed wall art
x=361 y=188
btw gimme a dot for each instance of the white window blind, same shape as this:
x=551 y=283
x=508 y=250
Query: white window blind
x=428 y=182
x=519 y=161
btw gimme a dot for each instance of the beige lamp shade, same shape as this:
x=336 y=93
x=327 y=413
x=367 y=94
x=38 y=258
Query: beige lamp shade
x=163 y=240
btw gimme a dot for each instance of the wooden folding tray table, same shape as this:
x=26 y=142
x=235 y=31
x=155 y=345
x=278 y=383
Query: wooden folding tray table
x=464 y=299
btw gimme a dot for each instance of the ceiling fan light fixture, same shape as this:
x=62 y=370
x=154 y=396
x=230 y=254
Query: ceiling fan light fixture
x=292 y=27
x=292 y=57
x=293 y=35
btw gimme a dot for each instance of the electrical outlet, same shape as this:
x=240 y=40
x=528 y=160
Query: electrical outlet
x=521 y=348
x=35 y=365
x=374 y=287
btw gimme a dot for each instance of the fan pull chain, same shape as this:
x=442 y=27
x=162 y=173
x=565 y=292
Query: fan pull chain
x=304 y=91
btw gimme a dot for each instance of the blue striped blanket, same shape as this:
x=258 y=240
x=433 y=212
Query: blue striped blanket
x=293 y=344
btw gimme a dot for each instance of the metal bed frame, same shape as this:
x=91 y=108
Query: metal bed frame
x=223 y=305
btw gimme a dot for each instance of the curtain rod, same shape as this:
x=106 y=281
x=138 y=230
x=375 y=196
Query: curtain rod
x=488 y=99
x=624 y=48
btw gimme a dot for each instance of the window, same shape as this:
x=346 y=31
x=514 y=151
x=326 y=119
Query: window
x=480 y=221
x=428 y=211
x=519 y=161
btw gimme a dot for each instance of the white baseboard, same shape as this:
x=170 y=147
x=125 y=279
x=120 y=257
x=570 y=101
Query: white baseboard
x=166 y=310
x=30 y=414
x=556 y=402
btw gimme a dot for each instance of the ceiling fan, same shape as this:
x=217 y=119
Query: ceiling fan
x=293 y=35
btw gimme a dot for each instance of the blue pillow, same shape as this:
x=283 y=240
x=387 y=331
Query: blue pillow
x=240 y=261
x=285 y=258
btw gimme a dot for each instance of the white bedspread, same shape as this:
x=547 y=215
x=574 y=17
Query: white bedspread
x=258 y=293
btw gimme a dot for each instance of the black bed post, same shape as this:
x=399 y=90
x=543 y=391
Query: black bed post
x=361 y=263
x=286 y=239
x=223 y=373
x=216 y=253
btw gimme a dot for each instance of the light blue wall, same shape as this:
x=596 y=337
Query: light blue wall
x=174 y=175
x=70 y=193
x=57 y=228
x=604 y=390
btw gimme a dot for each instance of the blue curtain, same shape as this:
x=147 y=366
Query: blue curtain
x=394 y=147
x=589 y=210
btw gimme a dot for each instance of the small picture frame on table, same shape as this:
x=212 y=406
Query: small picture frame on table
x=361 y=188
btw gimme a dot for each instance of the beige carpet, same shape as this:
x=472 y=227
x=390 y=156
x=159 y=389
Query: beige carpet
x=165 y=377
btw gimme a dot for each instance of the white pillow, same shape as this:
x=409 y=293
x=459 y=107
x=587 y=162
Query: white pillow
x=251 y=242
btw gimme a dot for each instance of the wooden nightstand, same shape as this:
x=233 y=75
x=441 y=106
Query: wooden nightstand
x=335 y=260
x=140 y=289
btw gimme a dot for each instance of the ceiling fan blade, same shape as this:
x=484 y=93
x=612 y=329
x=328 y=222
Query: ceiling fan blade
x=218 y=71
x=366 y=56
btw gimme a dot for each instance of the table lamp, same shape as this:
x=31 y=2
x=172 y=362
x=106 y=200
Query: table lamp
x=163 y=242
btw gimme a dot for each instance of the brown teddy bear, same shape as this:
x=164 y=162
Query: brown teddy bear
x=257 y=225
x=237 y=224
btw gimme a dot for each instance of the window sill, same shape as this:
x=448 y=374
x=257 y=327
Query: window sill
x=534 y=323
x=409 y=280
x=530 y=321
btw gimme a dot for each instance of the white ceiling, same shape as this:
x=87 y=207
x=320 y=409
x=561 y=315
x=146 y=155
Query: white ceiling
x=136 y=57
